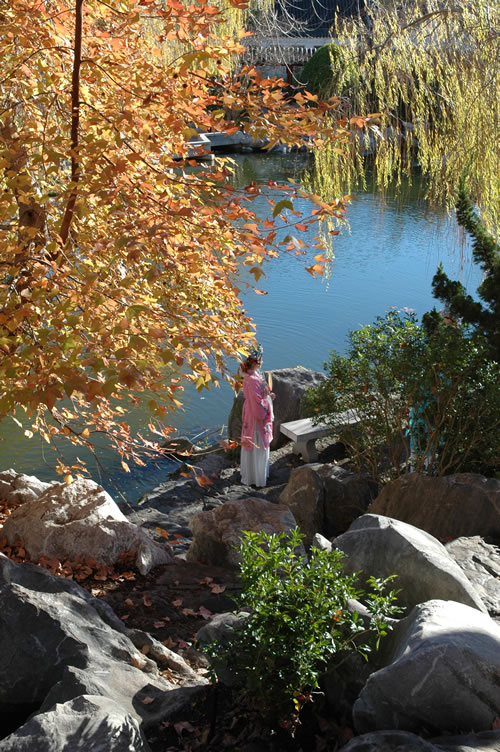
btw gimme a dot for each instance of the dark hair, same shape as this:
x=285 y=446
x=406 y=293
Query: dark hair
x=248 y=363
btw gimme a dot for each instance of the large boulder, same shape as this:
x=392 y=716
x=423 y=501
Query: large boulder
x=325 y=499
x=481 y=563
x=217 y=533
x=289 y=386
x=485 y=741
x=59 y=642
x=442 y=673
x=85 y=724
x=405 y=741
x=16 y=488
x=389 y=741
x=80 y=519
x=447 y=507
x=304 y=495
x=381 y=546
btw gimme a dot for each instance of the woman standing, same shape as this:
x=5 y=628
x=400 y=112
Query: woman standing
x=257 y=422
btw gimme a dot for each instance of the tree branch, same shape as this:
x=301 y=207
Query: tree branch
x=75 y=122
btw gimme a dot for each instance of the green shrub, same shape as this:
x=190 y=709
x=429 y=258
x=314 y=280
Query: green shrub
x=298 y=620
x=426 y=400
x=326 y=72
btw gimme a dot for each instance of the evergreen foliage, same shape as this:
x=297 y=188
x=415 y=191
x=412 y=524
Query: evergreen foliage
x=324 y=72
x=483 y=316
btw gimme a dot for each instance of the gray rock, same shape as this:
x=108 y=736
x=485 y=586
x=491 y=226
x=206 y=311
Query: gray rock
x=289 y=386
x=447 y=507
x=220 y=628
x=389 y=741
x=81 y=519
x=404 y=741
x=481 y=563
x=235 y=418
x=84 y=724
x=16 y=488
x=217 y=533
x=56 y=646
x=380 y=546
x=442 y=673
x=319 y=541
x=485 y=741
x=164 y=657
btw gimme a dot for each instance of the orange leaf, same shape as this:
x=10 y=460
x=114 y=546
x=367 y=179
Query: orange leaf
x=163 y=533
x=217 y=589
x=203 y=480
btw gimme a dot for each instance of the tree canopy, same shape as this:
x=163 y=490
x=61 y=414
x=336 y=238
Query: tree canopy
x=428 y=71
x=119 y=254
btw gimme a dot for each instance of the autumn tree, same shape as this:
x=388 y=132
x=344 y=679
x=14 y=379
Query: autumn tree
x=119 y=254
x=429 y=71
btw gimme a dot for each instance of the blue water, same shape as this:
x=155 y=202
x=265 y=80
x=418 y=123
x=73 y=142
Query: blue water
x=386 y=259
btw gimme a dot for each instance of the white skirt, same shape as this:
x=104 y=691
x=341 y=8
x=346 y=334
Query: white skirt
x=254 y=466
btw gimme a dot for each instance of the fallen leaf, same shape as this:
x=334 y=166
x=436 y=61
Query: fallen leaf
x=217 y=588
x=148 y=700
x=204 y=612
x=147 y=600
x=177 y=603
x=203 y=480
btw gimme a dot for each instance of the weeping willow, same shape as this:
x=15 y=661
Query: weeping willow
x=231 y=23
x=429 y=78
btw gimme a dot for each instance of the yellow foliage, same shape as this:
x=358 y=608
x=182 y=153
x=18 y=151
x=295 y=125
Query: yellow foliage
x=119 y=260
x=429 y=73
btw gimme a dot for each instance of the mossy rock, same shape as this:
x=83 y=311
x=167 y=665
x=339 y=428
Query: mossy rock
x=326 y=72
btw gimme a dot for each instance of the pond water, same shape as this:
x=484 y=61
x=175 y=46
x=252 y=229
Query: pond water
x=386 y=259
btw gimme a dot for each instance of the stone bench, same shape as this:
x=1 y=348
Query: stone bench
x=304 y=432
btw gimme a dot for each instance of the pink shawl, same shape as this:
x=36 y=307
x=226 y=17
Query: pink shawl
x=256 y=409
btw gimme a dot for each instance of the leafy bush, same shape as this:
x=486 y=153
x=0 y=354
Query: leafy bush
x=326 y=72
x=426 y=400
x=298 y=620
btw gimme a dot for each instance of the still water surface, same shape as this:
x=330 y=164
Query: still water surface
x=386 y=259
